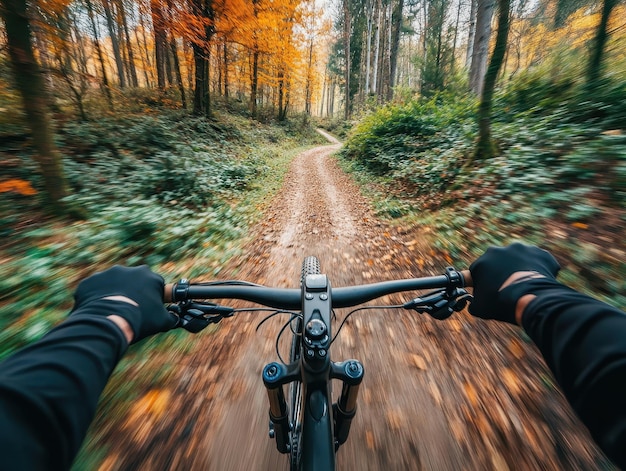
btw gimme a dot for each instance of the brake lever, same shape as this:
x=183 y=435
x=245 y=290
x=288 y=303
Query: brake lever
x=194 y=317
x=440 y=304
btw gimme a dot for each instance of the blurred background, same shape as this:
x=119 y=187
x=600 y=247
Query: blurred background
x=161 y=132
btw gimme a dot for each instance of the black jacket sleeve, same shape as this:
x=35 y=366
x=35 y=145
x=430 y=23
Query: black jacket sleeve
x=49 y=391
x=584 y=343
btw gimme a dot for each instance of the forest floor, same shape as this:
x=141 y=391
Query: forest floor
x=437 y=395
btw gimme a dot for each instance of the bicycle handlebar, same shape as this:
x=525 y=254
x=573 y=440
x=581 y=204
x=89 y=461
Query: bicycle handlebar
x=289 y=298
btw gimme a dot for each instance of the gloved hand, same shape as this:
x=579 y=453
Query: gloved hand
x=495 y=266
x=140 y=285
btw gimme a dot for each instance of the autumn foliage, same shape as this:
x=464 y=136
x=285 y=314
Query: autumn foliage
x=21 y=187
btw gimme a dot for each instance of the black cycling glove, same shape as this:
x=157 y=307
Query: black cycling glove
x=137 y=283
x=495 y=266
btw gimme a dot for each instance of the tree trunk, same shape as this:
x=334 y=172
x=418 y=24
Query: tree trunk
x=96 y=41
x=309 y=81
x=145 y=57
x=281 y=91
x=594 y=69
x=202 y=81
x=456 y=36
x=254 y=69
x=481 y=45
x=254 y=83
x=202 y=58
x=168 y=64
x=29 y=81
x=226 y=77
x=114 y=43
x=346 y=37
x=40 y=45
x=396 y=26
x=160 y=42
x=471 y=34
x=331 y=97
x=65 y=61
x=379 y=9
x=129 y=47
x=484 y=147
x=179 y=76
x=188 y=52
x=368 y=46
x=323 y=100
x=438 y=57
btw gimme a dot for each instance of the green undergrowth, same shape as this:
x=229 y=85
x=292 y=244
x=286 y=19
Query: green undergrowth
x=559 y=179
x=167 y=190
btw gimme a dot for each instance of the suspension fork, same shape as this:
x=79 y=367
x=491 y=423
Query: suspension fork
x=351 y=373
x=275 y=376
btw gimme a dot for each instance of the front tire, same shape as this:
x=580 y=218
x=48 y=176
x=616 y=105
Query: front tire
x=310 y=266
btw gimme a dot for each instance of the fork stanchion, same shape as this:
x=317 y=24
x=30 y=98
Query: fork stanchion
x=351 y=373
x=273 y=375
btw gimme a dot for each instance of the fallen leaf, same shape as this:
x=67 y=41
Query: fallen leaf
x=510 y=381
x=417 y=361
x=395 y=419
x=470 y=393
x=516 y=349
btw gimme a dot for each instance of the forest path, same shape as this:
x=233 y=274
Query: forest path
x=460 y=394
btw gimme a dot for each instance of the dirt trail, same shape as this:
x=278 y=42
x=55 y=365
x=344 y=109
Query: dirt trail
x=460 y=394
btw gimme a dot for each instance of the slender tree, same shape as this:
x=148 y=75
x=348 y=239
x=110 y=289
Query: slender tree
x=471 y=33
x=594 y=69
x=396 y=26
x=368 y=48
x=29 y=82
x=132 y=70
x=145 y=56
x=484 y=147
x=203 y=31
x=226 y=63
x=96 y=41
x=160 y=41
x=66 y=58
x=346 y=38
x=482 y=36
x=115 y=43
x=179 y=76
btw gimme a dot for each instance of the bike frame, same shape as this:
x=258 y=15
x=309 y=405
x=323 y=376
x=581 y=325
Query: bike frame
x=325 y=426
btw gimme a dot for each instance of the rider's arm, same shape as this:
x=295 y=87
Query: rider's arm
x=50 y=389
x=582 y=340
x=584 y=343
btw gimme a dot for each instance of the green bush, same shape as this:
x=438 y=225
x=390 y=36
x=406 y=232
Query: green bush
x=558 y=86
x=423 y=143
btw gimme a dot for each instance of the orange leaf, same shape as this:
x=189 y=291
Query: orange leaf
x=580 y=225
x=21 y=187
